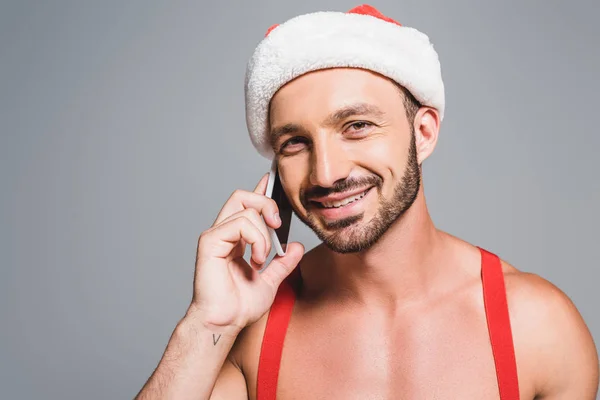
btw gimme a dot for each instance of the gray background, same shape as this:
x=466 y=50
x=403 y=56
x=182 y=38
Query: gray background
x=123 y=132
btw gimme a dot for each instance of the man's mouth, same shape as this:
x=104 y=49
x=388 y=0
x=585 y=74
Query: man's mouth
x=341 y=202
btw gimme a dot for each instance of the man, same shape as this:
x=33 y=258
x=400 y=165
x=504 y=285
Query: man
x=388 y=307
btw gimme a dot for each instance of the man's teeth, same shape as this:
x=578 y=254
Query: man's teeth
x=343 y=202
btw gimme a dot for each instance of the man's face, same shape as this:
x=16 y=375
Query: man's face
x=346 y=154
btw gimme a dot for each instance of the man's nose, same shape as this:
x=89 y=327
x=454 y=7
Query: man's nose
x=329 y=164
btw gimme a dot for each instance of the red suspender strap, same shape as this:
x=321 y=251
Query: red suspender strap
x=272 y=344
x=496 y=311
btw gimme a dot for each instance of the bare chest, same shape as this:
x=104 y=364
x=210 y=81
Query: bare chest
x=436 y=354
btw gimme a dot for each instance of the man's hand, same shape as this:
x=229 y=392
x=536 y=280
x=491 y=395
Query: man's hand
x=229 y=292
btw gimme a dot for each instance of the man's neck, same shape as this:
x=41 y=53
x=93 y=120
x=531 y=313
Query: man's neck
x=404 y=266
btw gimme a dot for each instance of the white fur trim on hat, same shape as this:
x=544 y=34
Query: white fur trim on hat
x=334 y=39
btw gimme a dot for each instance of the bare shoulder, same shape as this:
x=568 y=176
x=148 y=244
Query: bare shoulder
x=554 y=347
x=540 y=306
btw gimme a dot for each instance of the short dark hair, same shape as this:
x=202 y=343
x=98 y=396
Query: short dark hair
x=411 y=104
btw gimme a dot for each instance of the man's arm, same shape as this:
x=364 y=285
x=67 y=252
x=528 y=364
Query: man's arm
x=194 y=363
x=229 y=294
x=231 y=384
x=557 y=350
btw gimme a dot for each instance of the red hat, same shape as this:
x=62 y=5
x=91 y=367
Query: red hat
x=361 y=38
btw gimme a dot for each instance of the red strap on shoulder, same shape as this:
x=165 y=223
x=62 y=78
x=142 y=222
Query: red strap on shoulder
x=274 y=336
x=498 y=320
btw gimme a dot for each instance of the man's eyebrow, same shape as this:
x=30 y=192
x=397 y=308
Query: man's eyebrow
x=351 y=110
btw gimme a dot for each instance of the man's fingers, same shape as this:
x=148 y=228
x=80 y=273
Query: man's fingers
x=239 y=249
x=261 y=188
x=254 y=217
x=221 y=240
x=280 y=267
x=241 y=200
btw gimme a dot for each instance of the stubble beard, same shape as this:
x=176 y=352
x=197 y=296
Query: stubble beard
x=352 y=236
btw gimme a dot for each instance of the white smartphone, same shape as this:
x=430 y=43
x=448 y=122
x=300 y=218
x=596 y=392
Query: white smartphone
x=279 y=236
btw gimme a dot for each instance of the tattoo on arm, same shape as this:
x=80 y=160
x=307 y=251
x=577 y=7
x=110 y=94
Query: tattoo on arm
x=216 y=339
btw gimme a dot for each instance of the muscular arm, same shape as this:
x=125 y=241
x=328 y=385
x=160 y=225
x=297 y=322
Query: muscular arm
x=557 y=350
x=194 y=363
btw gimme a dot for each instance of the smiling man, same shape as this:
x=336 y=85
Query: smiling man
x=349 y=160
x=388 y=306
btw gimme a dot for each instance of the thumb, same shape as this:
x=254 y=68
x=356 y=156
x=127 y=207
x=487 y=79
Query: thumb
x=281 y=266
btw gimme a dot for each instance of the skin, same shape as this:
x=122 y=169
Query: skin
x=391 y=307
x=409 y=306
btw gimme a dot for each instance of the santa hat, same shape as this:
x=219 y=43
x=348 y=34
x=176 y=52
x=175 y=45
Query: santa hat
x=361 y=38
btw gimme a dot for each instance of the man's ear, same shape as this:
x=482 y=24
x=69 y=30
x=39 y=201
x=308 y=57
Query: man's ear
x=427 y=127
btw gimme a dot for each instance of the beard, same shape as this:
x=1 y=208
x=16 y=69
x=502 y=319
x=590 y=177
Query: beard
x=360 y=237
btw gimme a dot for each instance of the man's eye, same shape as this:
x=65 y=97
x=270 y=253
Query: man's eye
x=293 y=144
x=359 y=126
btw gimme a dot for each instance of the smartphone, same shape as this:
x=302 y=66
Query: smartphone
x=279 y=236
